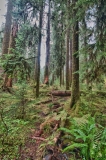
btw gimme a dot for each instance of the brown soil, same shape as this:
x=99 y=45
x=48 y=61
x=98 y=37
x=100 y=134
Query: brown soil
x=32 y=149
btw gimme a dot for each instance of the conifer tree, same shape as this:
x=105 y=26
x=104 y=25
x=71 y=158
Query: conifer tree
x=75 y=59
x=39 y=49
x=67 y=46
x=7 y=29
x=46 y=73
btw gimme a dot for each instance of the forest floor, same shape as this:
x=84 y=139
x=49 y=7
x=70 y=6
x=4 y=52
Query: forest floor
x=30 y=127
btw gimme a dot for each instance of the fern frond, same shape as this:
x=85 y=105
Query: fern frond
x=80 y=121
x=75 y=145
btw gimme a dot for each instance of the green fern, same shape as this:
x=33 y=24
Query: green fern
x=82 y=120
x=87 y=138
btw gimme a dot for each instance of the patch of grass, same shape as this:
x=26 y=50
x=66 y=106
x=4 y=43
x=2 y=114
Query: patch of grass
x=14 y=129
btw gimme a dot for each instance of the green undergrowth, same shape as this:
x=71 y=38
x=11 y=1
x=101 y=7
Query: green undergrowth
x=20 y=112
x=18 y=115
x=86 y=138
x=85 y=130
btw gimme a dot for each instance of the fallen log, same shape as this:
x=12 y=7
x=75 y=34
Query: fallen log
x=61 y=93
x=44 y=102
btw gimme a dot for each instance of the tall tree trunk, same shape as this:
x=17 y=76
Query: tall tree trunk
x=53 y=77
x=63 y=76
x=13 y=35
x=60 y=77
x=35 y=72
x=70 y=62
x=67 y=52
x=61 y=64
x=39 y=50
x=8 y=78
x=7 y=29
x=85 y=45
x=46 y=74
x=75 y=61
x=6 y=39
x=62 y=52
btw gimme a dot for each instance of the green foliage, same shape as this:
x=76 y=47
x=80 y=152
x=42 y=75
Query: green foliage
x=11 y=133
x=16 y=66
x=88 y=138
x=16 y=119
x=21 y=94
x=1 y=37
x=27 y=37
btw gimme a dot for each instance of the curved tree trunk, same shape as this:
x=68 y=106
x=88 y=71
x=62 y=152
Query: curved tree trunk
x=75 y=62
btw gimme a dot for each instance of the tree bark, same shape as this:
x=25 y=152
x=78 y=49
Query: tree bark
x=46 y=75
x=63 y=76
x=39 y=50
x=67 y=52
x=8 y=78
x=75 y=60
x=61 y=93
x=60 y=77
x=7 y=29
x=13 y=35
x=70 y=62
x=6 y=40
x=85 y=45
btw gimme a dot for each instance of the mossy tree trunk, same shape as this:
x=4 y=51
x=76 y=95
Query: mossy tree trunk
x=75 y=61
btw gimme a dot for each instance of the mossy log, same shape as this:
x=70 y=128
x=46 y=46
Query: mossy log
x=61 y=93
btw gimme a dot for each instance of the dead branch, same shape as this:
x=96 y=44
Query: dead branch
x=39 y=138
x=44 y=102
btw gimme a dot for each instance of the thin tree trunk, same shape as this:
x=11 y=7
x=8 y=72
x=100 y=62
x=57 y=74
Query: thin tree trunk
x=75 y=62
x=60 y=77
x=53 y=77
x=85 y=45
x=67 y=52
x=63 y=76
x=70 y=62
x=39 y=50
x=61 y=65
x=46 y=75
x=35 y=70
